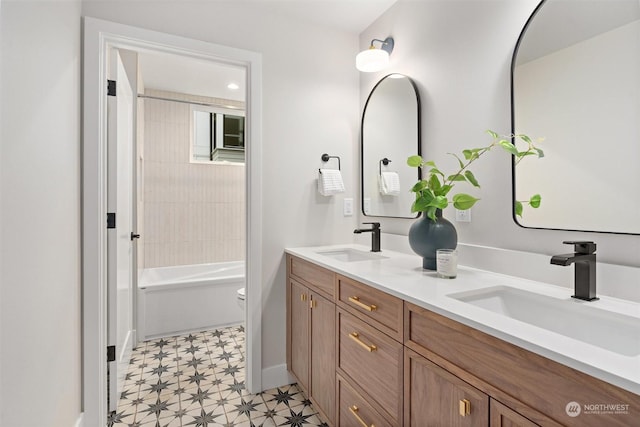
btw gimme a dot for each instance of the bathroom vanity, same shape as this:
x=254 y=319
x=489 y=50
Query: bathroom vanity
x=375 y=340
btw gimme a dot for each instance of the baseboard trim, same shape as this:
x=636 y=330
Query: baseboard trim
x=276 y=376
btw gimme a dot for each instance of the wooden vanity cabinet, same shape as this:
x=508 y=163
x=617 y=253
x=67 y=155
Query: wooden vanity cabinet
x=311 y=332
x=503 y=416
x=435 y=397
x=365 y=358
x=528 y=389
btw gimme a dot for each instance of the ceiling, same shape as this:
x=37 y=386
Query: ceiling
x=349 y=15
x=176 y=73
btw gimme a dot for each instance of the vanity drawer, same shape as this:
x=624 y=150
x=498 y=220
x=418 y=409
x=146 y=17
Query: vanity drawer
x=355 y=410
x=373 y=361
x=318 y=278
x=378 y=308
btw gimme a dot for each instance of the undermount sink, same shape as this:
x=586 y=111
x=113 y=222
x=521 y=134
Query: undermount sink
x=351 y=255
x=611 y=331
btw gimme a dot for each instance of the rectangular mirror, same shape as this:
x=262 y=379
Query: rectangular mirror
x=390 y=133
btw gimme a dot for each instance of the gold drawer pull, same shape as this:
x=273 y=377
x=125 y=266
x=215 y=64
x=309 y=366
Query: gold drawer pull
x=356 y=337
x=303 y=297
x=354 y=410
x=356 y=301
x=465 y=407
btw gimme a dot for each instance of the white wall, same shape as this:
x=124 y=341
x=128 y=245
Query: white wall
x=459 y=52
x=310 y=106
x=40 y=205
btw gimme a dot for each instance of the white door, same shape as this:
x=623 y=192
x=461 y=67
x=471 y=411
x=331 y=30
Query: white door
x=119 y=244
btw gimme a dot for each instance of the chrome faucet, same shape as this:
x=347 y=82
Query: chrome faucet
x=375 y=234
x=585 y=269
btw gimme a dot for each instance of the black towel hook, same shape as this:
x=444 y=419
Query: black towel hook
x=325 y=158
x=385 y=162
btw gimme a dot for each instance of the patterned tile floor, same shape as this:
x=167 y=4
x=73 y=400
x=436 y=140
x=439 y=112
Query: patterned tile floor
x=198 y=380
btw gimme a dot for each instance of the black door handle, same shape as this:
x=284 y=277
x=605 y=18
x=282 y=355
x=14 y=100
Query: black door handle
x=134 y=236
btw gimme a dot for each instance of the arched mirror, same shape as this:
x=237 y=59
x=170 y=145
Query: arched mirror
x=390 y=134
x=576 y=82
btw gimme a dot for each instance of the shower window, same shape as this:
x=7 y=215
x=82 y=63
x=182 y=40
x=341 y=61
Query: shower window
x=218 y=135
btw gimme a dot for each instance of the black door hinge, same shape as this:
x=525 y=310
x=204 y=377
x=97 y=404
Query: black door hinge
x=111 y=353
x=111 y=220
x=111 y=87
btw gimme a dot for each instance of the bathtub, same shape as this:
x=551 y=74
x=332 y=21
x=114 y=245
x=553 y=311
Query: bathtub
x=185 y=298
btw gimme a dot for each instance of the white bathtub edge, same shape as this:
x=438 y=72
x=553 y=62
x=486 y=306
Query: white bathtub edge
x=276 y=376
x=164 y=286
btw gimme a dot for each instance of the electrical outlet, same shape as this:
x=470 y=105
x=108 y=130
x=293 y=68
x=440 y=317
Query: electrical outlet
x=463 y=216
x=348 y=207
x=367 y=205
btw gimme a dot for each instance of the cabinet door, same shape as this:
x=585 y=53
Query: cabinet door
x=435 y=397
x=503 y=416
x=323 y=354
x=299 y=330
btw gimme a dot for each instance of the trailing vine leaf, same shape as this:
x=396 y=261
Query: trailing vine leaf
x=431 y=213
x=518 y=208
x=458 y=177
x=457 y=158
x=434 y=183
x=472 y=179
x=441 y=202
x=535 y=200
x=414 y=161
x=418 y=186
x=463 y=201
x=509 y=147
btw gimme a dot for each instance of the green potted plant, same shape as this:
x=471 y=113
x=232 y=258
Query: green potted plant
x=433 y=194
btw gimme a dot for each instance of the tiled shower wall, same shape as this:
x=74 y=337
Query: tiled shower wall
x=193 y=213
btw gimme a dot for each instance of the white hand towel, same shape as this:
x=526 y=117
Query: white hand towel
x=389 y=183
x=330 y=182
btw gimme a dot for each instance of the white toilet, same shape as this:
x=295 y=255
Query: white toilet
x=240 y=299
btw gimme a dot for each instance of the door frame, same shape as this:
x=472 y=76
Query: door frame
x=99 y=36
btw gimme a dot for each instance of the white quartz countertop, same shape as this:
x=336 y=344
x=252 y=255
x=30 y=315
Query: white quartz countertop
x=402 y=275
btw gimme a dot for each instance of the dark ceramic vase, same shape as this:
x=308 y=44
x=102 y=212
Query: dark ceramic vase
x=426 y=236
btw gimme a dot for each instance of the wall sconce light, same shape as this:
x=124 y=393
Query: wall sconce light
x=375 y=59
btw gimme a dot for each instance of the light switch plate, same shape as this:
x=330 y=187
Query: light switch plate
x=348 y=207
x=463 y=216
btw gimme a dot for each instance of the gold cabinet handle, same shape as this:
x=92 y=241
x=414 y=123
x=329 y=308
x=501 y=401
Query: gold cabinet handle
x=356 y=301
x=356 y=337
x=303 y=297
x=312 y=303
x=354 y=410
x=464 y=407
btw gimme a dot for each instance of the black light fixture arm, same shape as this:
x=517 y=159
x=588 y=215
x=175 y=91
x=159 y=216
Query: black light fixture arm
x=386 y=44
